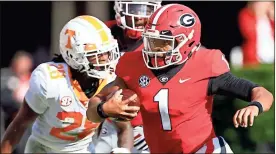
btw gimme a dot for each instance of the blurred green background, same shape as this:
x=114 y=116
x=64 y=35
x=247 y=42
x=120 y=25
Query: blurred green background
x=259 y=137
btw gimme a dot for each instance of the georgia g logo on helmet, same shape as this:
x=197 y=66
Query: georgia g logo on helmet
x=187 y=20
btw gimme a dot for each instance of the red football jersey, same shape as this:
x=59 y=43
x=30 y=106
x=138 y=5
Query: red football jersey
x=118 y=34
x=176 y=109
x=137 y=121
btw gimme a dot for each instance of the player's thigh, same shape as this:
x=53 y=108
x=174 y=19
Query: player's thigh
x=216 y=145
x=106 y=139
x=33 y=146
x=102 y=146
x=140 y=145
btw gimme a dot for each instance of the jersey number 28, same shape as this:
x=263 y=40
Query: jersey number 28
x=77 y=121
x=162 y=97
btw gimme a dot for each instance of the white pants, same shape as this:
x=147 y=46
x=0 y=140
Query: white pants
x=33 y=146
x=216 y=145
x=108 y=139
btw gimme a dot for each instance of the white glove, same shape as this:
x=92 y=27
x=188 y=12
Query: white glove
x=120 y=150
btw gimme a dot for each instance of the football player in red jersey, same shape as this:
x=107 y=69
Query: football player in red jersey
x=130 y=20
x=176 y=81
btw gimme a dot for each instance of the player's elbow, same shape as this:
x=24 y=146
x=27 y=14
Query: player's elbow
x=270 y=98
x=263 y=96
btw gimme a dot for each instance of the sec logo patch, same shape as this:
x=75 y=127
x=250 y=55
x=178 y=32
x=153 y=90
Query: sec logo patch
x=144 y=81
x=66 y=101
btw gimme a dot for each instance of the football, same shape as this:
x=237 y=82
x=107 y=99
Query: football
x=128 y=93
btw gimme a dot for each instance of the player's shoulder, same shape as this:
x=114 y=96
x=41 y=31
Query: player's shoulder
x=128 y=61
x=45 y=69
x=204 y=54
x=208 y=52
x=39 y=80
x=212 y=60
x=42 y=77
x=132 y=57
x=41 y=71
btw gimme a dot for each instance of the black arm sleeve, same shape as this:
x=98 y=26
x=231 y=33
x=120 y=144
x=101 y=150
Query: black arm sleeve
x=229 y=85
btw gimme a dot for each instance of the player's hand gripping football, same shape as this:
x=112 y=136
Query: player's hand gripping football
x=115 y=107
x=244 y=115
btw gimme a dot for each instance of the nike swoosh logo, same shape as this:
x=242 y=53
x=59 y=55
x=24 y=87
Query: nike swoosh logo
x=182 y=81
x=163 y=32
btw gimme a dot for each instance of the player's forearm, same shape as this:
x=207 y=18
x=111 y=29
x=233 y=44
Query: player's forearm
x=91 y=112
x=12 y=136
x=262 y=96
x=125 y=136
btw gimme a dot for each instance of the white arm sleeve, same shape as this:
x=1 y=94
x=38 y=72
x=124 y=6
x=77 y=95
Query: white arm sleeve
x=36 y=96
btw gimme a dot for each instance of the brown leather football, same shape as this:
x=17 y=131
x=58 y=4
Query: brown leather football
x=128 y=93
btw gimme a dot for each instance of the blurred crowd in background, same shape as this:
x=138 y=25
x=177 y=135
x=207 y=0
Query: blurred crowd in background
x=255 y=24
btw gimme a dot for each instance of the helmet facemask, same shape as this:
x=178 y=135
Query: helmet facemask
x=96 y=60
x=161 y=49
x=134 y=15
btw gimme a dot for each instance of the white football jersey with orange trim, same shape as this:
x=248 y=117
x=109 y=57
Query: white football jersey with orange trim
x=62 y=125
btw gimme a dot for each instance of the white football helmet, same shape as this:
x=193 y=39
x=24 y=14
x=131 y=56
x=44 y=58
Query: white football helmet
x=135 y=10
x=84 y=41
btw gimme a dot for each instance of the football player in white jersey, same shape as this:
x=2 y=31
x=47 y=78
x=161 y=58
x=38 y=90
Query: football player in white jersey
x=59 y=91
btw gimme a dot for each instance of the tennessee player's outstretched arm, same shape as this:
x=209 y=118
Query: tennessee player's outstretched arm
x=100 y=107
x=17 y=127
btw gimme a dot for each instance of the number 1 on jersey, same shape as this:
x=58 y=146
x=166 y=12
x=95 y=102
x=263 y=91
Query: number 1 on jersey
x=162 y=97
